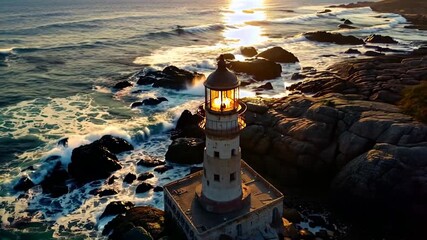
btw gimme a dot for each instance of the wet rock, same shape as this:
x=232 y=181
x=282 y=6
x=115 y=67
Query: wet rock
x=148 y=218
x=297 y=76
x=63 y=142
x=337 y=38
x=228 y=56
x=137 y=233
x=55 y=182
x=145 y=176
x=248 y=51
x=325 y=11
x=23 y=184
x=114 y=144
x=346 y=21
x=352 y=51
x=267 y=86
x=278 y=54
x=188 y=126
x=158 y=189
x=292 y=215
x=150 y=162
x=379 y=39
x=116 y=207
x=163 y=169
x=186 y=151
x=373 y=54
x=261 y=69
x=346 y=26
x=111 y=179
x=92 y=162
x=129 y=178
x=306 y=234
x=107 y=192
x=123 y=84
x=171 y=77
x=143 y=187
x=149 y=102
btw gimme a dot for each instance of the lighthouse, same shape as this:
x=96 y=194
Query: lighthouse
x=221 y=190
x=227 y=198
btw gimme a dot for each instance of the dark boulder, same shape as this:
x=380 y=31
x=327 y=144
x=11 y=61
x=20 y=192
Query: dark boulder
x=111 y=179
x=129 y=178
x=346 y=26
x=63 y=142
x=352 y=51
x=267 y=86
x=337 y=38
x=148 y=218
x=145 y=176
x=325 y=11
x=261 y=69
x=379 y=39
x=162 y=169
x=248 y=51
x=116 y=207
x=158 y=189
x=143 y=187
x=188 y=126
x=228 y=56
x=186 y=151
x=297 y=76
x=114 y=144
x=149 y=102
x=91 y=162
x=107 y=192
x=373 y=54
x=23 y=184
x=150 y=162
x=123 y=84
x=55 y=182
x=278 y=54
x=171 y=77
x=346 y=21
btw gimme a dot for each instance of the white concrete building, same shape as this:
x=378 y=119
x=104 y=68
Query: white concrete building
x=228 y=198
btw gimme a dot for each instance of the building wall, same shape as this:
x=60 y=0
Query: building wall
x=243 y=228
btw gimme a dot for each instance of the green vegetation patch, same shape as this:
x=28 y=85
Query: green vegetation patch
x=414 y=101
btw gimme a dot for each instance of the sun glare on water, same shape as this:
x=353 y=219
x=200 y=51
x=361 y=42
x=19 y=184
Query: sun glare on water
x=242 y=11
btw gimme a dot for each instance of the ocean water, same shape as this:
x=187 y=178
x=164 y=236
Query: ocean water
x=59 y=59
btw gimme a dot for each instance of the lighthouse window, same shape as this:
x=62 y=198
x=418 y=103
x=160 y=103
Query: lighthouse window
x=216 y=154
x=216 y=177
x=233 y=152
x=232 y=177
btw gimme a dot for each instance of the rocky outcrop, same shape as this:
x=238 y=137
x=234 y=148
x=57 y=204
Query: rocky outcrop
x=336 y=38
x=352 y=51
x=388 y=176
x=278 y=54
x=186 y=151
x=145 y=176
x=145 y=222
x=143 y=187
x=261 y=69
x=346 y=26
x=23 y=184
x=55 y=182
x=188 y=126
x=149 y=102
x=122 y=84
x=97 y=160
x=248 y=51
x=379 y=39
x=379 y=79
x=171 y=77
x=129 y=178
x=116 y=207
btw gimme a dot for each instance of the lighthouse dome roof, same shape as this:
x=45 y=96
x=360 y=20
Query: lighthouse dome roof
x=222 y=78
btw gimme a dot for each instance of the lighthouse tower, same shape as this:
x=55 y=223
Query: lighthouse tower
x=221 y=190
x=227 y=199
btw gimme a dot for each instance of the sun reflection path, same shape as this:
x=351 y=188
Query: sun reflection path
x=242 y=11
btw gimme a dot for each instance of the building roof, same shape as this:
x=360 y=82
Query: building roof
x=183 y=193
x=222 y=78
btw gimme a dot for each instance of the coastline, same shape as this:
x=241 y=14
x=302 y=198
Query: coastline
x=415 y=11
